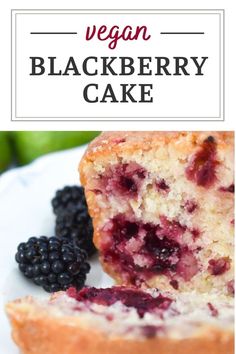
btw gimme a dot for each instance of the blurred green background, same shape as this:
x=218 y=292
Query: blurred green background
x=22 y=147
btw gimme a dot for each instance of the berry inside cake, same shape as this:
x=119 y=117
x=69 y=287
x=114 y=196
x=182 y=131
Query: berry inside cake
x=162 y=208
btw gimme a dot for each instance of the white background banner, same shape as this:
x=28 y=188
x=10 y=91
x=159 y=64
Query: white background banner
x=188 y=43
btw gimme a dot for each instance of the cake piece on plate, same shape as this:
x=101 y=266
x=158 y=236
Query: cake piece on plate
x=122 y=320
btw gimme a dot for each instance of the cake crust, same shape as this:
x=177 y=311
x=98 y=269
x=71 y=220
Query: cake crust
x=36 y=332
x=113 y=142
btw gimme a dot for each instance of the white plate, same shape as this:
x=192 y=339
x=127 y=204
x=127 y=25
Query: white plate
x=25 y=210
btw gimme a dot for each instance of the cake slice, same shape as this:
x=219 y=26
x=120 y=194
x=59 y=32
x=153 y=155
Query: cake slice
x=162 y=205
x=123 y=320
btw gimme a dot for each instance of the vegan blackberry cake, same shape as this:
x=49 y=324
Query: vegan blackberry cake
x=162 y=207
x=123 y=320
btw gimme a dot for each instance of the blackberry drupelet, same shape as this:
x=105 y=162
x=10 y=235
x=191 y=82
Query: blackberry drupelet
x=68 y=197
x=53 y=263
x=72 y=217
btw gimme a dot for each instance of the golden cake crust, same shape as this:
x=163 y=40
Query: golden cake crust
x=36 y=332
x=114 y=142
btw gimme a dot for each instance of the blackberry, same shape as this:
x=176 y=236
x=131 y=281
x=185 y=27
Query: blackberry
x=53 y=263
x=67 y=198
x=72 y=218
x=76 y=224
